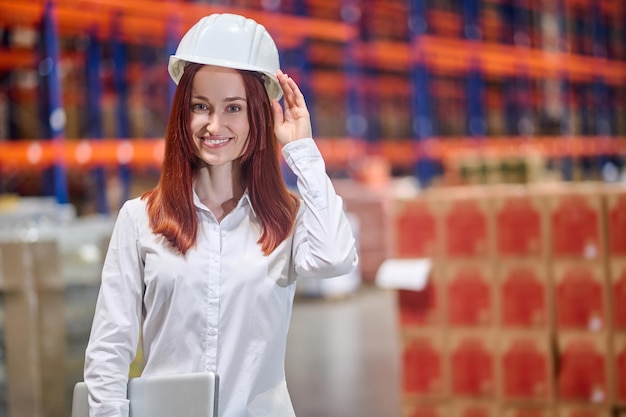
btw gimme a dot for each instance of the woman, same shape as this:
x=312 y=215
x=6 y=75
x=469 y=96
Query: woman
x=204 y=266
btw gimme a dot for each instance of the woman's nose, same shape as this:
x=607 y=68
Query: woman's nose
x=212 y=121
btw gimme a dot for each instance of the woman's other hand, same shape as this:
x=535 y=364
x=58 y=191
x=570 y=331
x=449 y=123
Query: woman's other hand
x=294 y=122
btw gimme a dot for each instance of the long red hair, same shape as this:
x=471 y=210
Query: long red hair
x=170 y=204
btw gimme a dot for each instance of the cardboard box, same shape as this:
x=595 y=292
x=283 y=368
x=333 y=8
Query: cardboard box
x=619 y=368
x=523 y=296
x=520 y=223
x=576 y=220
x=467 y=222
x=424 y=307
x=51 y=321
x=580 y=295
x=618 y=293
x=417 y=227
x=580 y=410
x=421 y=307
x=462 y=408
x=412 y=408
x=34 y=324
x=21 y=327
x=616 y=220
x=511 y=410
x=370 y=261
x=582 y=364
x=472 y=361
x=424 y=366
x=373 y=211
x=525 y=366
x=469 y=294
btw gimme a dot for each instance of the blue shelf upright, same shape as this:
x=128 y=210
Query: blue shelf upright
x=53 y=117
x=601 y=96
x=567 y=163
x=477 y=127
x=356 y=121
x=423 y=125
x=122 y=111
x=93 y=93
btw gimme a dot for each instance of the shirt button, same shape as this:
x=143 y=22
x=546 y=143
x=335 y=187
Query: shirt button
x=212 y=332
x=212 y=294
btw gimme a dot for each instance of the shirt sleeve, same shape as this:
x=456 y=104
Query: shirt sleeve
x=115 y=330
x=324 y=245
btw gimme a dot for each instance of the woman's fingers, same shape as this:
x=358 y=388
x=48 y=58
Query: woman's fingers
x=293 y=121
x=278 y=112
x=292 y=94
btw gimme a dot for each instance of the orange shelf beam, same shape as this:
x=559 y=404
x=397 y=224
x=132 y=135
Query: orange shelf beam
x=457 y=55
x=142 y=21
x=83 y=154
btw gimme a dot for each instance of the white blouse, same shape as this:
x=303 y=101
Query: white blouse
x=223 y=307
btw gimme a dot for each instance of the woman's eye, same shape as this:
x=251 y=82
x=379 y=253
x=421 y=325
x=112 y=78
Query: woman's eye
x=199 y=107
x=234 y=108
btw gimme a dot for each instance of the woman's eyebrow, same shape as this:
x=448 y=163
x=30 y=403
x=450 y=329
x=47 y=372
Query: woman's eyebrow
x=227 y=99
x=236 y=98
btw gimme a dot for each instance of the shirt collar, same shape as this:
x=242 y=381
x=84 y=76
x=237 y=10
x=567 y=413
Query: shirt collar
x=245 y=199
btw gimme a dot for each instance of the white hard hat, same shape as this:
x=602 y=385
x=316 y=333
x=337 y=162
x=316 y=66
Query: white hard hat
x=231 y=41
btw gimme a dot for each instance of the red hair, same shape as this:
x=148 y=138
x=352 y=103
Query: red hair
x=170 y=204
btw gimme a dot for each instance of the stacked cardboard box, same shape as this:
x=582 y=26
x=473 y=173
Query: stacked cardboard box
x=32 y=289
x=524 y=312
x=371 y=206
x=524 y=302
x=576 y=218
x=50 y=264
x=447 y=328
x=467 y=276
x=616 y=231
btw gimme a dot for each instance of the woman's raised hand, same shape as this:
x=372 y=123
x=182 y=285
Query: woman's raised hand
x=294 y=122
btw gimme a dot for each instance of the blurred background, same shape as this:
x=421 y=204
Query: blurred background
x=479 y=147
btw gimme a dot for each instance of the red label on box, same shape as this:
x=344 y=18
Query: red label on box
x=415 y=231
x=525 y=371
x=418 y=307
x=617 y=227
x=422 y=367
x=465 y=230
x=575 y=228
x=582 y=373
x=471 y=369
x=469 y=299
x=518 y=228
x=579 y=300
x=523 y=299
x=619 y=302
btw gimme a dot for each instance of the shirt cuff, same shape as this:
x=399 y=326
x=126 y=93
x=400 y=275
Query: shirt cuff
x=299 y=149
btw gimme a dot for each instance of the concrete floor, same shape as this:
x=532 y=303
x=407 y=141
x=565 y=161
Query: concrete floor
x=342 y=356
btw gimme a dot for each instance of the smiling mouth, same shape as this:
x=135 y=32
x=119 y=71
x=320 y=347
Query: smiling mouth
x=214 y=141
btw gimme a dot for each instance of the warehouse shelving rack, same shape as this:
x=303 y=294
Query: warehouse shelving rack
x=369 y=56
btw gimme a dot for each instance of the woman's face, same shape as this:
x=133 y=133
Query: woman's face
x=219 y=115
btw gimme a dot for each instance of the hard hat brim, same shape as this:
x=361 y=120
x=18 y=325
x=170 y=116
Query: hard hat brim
x=176 y=67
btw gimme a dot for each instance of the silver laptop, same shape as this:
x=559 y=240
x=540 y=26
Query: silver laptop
x=183 y=395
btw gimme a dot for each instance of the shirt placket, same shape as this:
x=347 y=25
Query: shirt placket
x=214 y=244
